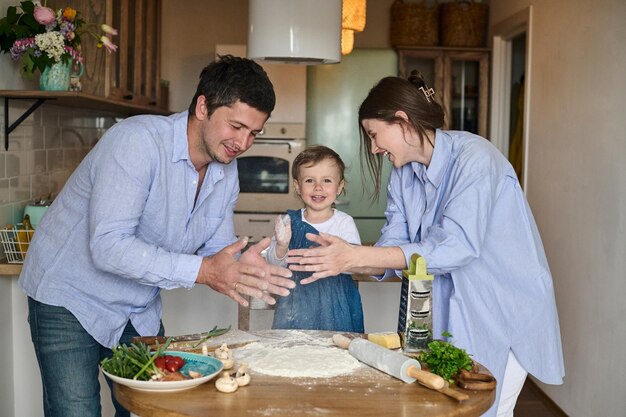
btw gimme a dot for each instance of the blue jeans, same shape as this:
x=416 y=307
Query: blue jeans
x=68 y=360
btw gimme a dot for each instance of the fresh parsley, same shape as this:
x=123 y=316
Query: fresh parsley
x=445 y=359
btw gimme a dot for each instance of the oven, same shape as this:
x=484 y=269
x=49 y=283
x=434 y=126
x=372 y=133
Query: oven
x=265 y=180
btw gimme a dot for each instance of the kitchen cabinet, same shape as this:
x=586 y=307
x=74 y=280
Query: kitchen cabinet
x=134 y=70
x=132 y=74
x=460 y=78
x=124 y=83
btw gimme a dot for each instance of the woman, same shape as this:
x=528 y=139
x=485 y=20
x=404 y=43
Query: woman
x=455 y=200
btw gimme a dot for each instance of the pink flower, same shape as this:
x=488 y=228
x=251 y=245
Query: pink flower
x=76 y=56
x=108 y=29
x=70 y=36
x=106 y=42
x=44 y=15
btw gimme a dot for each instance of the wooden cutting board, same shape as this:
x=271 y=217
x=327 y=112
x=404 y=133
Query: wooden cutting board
x=233 y=338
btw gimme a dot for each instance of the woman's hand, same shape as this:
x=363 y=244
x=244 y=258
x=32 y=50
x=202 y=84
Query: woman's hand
x=332 y=257
x=282 y=234
x=250 y=275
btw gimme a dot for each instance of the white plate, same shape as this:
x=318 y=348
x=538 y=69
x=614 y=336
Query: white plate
x=207 y=365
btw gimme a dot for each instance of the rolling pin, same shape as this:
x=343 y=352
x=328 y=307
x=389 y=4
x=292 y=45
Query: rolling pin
x=393 y=363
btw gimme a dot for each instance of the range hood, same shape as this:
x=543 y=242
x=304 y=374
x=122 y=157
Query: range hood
x=295 y=31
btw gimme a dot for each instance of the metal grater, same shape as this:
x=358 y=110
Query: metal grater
x=415 y=321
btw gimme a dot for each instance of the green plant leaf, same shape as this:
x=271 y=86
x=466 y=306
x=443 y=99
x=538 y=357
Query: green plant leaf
x=29 y=20
x=28 y=65
x=12 y=15
x=22 y=32
x=28 y=7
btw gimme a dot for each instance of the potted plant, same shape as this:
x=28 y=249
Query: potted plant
x=49 y=41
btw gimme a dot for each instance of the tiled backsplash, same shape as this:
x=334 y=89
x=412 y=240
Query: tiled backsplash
x=43 y=152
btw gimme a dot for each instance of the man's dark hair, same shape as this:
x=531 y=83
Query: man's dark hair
x=229 y=79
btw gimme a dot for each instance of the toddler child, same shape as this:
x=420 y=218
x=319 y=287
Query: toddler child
x=332 y=303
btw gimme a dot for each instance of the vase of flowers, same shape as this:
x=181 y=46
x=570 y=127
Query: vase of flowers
x=49 y=41
x=57 y=76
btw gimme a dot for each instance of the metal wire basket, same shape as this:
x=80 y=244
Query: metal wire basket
x=15 y=242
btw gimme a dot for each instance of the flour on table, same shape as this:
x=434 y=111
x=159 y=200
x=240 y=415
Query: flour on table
x=298 y=355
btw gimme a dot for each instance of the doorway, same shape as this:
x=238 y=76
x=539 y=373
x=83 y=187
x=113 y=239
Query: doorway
x=510 y=99
x=516 y=125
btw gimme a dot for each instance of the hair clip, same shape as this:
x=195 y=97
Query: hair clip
x=428 y=93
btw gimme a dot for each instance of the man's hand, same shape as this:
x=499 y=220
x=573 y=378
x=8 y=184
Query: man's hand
x=250 y=275
x=275 y=277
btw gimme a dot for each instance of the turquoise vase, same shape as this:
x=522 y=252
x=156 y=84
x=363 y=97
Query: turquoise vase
x=57 y=76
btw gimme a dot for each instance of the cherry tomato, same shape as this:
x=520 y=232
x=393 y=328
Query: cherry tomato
x=160 y=362
x=173 y=363
x=178 y=361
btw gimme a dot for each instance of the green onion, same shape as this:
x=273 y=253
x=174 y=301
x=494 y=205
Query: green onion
x=213 y=333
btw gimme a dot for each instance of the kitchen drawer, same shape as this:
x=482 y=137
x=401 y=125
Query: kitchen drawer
x=254 y=225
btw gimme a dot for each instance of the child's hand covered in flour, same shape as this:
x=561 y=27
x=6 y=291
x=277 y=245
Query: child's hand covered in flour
x=282 y=234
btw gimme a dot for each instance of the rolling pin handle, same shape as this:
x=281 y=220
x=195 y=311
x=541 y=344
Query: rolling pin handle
x=457 y=395
x=341 y=341
x=428 y=379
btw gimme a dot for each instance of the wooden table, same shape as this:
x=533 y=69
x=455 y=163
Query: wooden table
x=364 y=392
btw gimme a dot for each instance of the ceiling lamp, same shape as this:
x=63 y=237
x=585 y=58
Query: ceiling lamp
x=347 y=41
x=352 y=20
x=295 y=31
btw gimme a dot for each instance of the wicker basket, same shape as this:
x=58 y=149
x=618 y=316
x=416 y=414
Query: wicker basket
x=464 y=23
x=414 y=24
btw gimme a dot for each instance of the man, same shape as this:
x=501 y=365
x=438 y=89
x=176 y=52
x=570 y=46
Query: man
x=150 y=207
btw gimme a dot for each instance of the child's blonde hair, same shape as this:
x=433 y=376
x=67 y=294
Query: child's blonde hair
x=313 y=155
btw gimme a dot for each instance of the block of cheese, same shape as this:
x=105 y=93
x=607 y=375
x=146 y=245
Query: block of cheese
x=389 y=340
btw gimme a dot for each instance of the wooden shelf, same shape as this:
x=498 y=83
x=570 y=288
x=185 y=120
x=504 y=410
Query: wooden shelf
x=443 y=48
x=74 y=99
x=85 y=101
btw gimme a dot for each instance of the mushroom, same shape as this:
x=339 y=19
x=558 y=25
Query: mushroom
x=223 y=352
x=226 y=383
x=242 y=377
x=228 y=363
x=225 y=356
x=205 y=350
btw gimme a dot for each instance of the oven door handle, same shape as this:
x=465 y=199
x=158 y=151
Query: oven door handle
x=259 y=220
x=275 y=142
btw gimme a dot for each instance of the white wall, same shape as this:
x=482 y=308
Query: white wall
x=6 y=349
x=191 y=29
x=577 y=187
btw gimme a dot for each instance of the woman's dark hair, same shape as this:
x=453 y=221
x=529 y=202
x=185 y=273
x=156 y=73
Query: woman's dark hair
x=229 y=79
x=313 y=155
x=387 y=97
